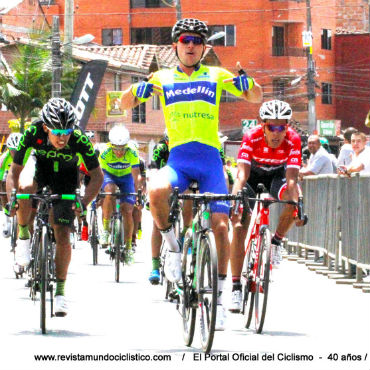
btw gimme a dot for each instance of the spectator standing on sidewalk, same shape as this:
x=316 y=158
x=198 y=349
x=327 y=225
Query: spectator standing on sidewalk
x=319 y=162
x=360 y=158
x=346 y=151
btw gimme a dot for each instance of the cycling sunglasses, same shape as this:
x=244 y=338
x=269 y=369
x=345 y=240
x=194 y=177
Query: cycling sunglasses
x=121 y=148
x=184 y=39
x=276 y=128
x=57 y=132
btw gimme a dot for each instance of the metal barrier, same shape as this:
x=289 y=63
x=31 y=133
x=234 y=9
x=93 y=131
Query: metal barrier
x=338 y=230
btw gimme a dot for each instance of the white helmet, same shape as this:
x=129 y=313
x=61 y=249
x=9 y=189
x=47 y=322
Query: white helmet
x=119 y=135
x=13 y=140
x=275 y=109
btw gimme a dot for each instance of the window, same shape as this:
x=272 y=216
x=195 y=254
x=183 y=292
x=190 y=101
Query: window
x=154 y=36
x=278 y=87
x=150 y=3
x=228 y=40
x=117 y=82
x=156 y=104
x=326 y=93
x=103 y=136
x=139 y=112
x=277 y=41
x=326 y=39
x=111 y=36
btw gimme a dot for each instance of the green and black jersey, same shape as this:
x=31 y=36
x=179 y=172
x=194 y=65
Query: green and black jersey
x=79 y=149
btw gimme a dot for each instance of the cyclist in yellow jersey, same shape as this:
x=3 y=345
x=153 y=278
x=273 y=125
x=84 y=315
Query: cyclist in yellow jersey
x=190 y=95
x=120 y=165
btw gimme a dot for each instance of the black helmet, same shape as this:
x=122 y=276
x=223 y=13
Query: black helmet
x=189 y=25
x=59 y=114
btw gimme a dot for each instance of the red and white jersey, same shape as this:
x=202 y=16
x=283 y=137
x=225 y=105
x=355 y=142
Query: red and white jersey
x=255 y=151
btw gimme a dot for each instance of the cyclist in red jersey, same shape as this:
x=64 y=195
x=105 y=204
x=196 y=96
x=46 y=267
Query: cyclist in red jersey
x=269 y=154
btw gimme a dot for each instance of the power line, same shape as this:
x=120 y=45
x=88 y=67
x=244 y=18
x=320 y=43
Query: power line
x=222 y=11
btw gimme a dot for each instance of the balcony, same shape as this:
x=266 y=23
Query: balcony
x=281 y=51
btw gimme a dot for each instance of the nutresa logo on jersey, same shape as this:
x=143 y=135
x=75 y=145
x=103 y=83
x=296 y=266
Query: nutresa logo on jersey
x=190 y=91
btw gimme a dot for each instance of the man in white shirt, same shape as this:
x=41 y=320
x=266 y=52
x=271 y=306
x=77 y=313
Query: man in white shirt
x=319 y=162
x=361 y=156
x=346 y=151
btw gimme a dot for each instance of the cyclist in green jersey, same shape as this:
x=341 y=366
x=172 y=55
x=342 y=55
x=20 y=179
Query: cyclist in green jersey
x=6 y=160
x=190 y=96
x=120 y=164
x=59 y=147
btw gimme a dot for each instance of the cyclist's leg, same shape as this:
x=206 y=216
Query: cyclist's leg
x=286 y=219
x=62 y=218
x=24 y=213
x=160 y=188
x=279 y=191
x=108 y=186
x=126 y=185
x=6 y=220
x=154 y=276
x=136 y=215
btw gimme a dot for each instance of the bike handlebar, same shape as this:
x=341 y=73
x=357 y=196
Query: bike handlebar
x=138 y=195
x=241 y=197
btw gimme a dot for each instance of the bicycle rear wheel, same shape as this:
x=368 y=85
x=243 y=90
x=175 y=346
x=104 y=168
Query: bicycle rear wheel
x=43 y=277
x=262 y=279
x=208 y=289
x=117 y=243
x=94 y=238
x=188 y=296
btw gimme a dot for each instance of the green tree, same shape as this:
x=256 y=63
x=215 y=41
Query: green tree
x=27 y=84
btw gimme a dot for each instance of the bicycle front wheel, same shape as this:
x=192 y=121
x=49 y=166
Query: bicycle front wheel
x=94 y=238
x=13 y=232
x=117 y=243
x=248 y=283
x=187 y=297
x=262 y=279
x=208 y=289
x=43 y=277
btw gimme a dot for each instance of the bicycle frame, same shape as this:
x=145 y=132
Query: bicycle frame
x=260 y=218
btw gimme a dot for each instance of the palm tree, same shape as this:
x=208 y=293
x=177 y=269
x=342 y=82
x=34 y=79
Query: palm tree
x=27 y=84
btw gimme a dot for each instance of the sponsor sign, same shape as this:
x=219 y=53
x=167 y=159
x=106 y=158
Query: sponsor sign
x=86 y=89
x=328 y=127
x=114 y=104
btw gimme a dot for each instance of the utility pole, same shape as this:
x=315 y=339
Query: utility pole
x=178 y=10
x=310 y=77
x=56 y=60
x=68 y=27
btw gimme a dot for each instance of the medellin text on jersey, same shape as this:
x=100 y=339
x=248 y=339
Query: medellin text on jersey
x=197 y=91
